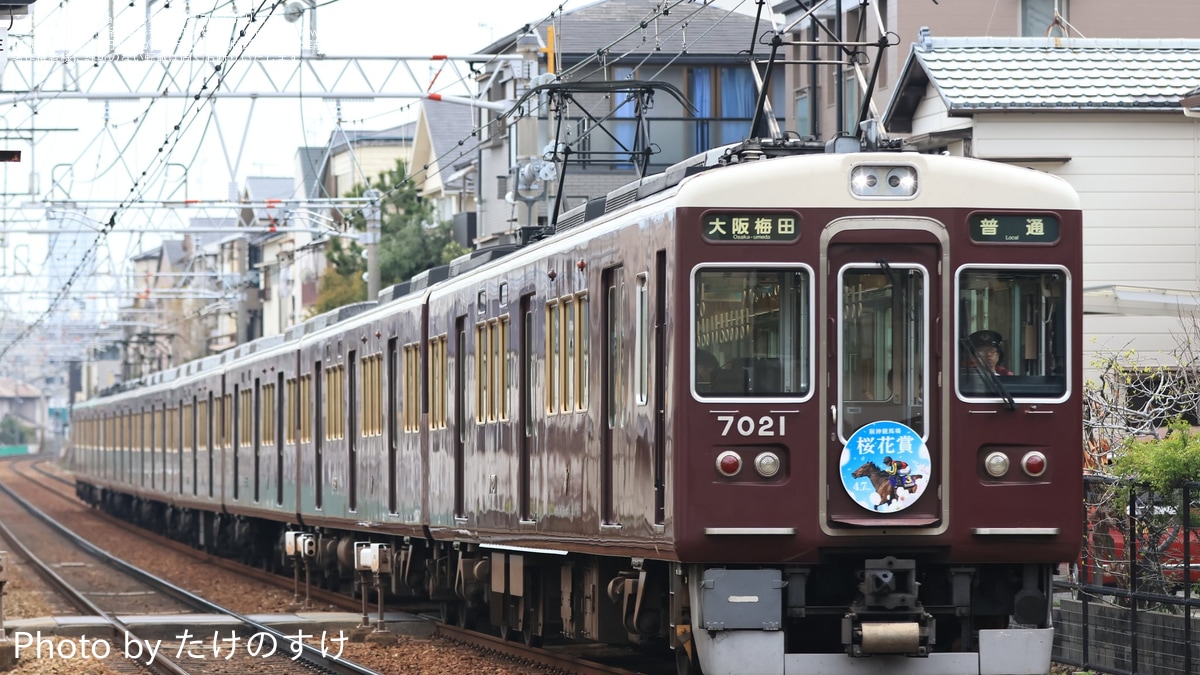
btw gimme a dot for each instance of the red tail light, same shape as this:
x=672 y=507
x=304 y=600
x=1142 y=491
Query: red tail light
x=1034 y=463
x=729 y=463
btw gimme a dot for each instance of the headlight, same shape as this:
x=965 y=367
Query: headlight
x=883 y=182
x=767 y=464
x=996 y=464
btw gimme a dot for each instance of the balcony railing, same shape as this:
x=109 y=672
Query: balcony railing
x=616 y=145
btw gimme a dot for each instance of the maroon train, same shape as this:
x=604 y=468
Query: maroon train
x=743 y=409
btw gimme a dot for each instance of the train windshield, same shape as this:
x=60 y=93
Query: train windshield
x=883 y=341
x=1012 y=333
x=751 y=332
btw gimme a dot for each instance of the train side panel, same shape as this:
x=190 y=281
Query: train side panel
x=528 y=343
x=406 y=412
x=747 y=416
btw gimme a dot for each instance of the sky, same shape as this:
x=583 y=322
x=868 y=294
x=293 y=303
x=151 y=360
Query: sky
x=81 y=30
x=90 y=156
x=343 y=28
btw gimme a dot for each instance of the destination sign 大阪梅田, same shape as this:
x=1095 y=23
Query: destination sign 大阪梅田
x=751 y=227
x=1013 y=228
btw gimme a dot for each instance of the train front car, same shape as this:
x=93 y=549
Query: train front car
x=876 y=451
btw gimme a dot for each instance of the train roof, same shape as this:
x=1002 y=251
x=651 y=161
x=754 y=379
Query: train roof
x=817 y=169
x=944 y=181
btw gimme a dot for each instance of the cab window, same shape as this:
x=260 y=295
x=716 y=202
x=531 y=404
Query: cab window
x=1011 y=337
x=751 y=332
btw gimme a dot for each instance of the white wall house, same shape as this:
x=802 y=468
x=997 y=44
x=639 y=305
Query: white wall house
x=443 y=161
x=1105 y=115
x=270 y=307
x=814 y=90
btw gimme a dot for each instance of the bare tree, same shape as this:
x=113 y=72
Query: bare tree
x=1140 y=413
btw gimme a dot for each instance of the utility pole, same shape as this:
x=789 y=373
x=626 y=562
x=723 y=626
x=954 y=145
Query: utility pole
x=374 y=228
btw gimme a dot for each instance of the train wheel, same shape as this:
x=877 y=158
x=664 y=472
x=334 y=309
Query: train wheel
x=466 y=620
x=458 y=614
x=529 y=638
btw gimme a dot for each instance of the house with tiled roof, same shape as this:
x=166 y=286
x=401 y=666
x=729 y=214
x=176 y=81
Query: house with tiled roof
x=1108 y=116
x=157 y=275
x=444 y=163
x=270 y=306
x=24 y=403
x=357 y=156
x=824 y=101
x=705 y=97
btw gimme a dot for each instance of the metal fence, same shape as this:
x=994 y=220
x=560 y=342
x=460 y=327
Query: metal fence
x=1129 y=604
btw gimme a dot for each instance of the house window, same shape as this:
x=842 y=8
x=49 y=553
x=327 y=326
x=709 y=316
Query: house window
x=1037 y=17
x=514 y=158
x=625 y=111
x=851 y=100
x=803 y=117
x=724 y=99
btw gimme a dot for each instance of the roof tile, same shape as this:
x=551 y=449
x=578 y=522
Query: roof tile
x=1023 y=73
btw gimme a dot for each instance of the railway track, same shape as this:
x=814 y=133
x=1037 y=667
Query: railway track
x=64 y=489
x=564 y=657
x=101 y=585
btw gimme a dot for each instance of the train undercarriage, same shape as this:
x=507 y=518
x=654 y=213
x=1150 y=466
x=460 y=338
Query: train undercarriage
x=900 y=613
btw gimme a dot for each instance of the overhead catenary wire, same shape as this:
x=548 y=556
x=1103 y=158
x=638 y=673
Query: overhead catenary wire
x=134 y=191
x=642 y=24
x=120 y=154
x=107 y=129
x=34 y=105
x=188 y=118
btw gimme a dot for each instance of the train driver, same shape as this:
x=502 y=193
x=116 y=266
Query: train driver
x=988 y=345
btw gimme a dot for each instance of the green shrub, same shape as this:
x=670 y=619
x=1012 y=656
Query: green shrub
x=1162 y=465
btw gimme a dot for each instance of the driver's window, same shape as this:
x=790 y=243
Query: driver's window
x=1011 y=339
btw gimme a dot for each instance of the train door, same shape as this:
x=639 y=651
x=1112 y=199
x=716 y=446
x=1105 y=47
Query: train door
x=209 y=435
x=883 y=455
x=525 y=410
x=352 y=433
x=256 y=437
x=618 y=442
x=393 y=407
x=460 y=417
x=281 y=402
x=660 y=388
x=318 y=440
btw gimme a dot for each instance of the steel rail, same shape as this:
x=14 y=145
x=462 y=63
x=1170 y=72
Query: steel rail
x=76 y=597
x=311 y=655
x=547 y=657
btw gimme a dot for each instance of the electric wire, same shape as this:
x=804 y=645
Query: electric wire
x=475 y=132
x=34 y=104
x=164 y=151
x=131 y=245
x=139 y=121
x=55 y=242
